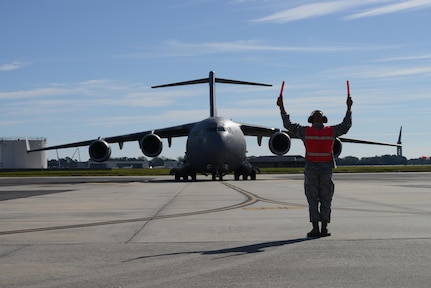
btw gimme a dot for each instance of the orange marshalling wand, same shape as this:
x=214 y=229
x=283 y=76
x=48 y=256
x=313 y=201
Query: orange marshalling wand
x=348 y=88
x=281 y=90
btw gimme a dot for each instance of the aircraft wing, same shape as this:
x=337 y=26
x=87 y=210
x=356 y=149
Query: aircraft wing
x=358 y=141
x=260 y=131
x=169 y=132
x=350 y=140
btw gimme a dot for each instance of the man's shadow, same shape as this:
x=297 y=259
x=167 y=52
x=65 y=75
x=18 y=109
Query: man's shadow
x=235 y=251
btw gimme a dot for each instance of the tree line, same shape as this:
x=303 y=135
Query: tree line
x=346 y=161
x=73 y=163
x=382 y=160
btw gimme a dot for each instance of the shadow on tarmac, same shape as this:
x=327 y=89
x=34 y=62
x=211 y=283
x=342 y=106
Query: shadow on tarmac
x=235 y=251
x=11 y=195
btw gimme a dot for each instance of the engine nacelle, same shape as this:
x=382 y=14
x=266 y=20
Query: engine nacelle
x=99 y=151
x=338 y=146
x=151 y=145
x=279 y=143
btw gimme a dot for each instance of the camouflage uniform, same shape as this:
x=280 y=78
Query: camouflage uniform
x=318 y=183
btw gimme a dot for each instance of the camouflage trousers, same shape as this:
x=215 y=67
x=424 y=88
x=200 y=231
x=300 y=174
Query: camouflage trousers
x=319 y=189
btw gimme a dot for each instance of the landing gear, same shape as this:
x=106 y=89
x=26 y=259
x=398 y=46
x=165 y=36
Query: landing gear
x=246 y=170
x=215 y=174
x=177 y=176
x=245 y=176
x=183 y=173
x=253 y=174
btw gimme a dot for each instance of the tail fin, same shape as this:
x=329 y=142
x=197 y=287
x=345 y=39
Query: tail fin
x=211 y=80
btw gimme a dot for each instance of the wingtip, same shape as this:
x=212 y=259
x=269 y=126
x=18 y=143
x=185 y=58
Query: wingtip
x=27 y=145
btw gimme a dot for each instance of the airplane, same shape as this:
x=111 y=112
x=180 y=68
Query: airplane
x=215 y=146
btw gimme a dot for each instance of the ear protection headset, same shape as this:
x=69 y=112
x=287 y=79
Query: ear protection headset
x=324 y=118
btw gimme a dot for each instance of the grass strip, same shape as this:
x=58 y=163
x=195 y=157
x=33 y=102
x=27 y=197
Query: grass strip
x=165 y=171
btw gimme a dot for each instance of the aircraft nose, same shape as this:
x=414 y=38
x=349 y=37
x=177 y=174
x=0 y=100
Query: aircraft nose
x=217 y=146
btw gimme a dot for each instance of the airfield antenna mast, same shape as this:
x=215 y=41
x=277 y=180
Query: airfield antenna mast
x=400 y=147
x=79 y=154
x=58 y=159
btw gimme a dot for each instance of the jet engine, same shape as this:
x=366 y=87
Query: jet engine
x=279 y=143
x=338 y=146
x=151 y=145
x=99 y=150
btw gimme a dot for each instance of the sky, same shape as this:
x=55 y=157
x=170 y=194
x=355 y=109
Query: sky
x=77 y=70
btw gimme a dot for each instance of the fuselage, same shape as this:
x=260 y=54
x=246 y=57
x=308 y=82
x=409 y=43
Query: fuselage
x=216 y=145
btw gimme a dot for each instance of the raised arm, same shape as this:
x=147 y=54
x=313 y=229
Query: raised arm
x=344 y=126
x=349 y=100
x=280 y=99
x=294 y=128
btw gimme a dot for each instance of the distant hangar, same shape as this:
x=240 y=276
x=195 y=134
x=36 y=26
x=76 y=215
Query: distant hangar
x=13 y=153
x=277 y=161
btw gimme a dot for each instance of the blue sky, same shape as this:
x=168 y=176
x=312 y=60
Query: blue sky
x=76 y=70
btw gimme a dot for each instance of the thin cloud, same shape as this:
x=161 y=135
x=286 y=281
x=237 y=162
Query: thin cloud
x=250 y=45
x=393 y=8
x=170 y=116
x=312 y=10
x=90 y=87
x=405 y=72
x=34 y=93
x=404 y=58
x=258 y=46
x=177 y=49
x=61 y=98
x=320 y=9
x=373 y=72
x=12 y=66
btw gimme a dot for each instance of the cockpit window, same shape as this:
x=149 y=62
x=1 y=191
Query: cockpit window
x=216 y=129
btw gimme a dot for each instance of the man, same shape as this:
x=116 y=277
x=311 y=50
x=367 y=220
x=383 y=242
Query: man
x=319 y=141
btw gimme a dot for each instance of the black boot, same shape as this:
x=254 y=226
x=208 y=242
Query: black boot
x=315 y=233
x=324 y=232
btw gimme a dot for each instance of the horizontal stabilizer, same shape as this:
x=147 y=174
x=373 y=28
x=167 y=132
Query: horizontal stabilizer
x=191 y=82
x=211 y=80
x=229 y=81
x=207 y=80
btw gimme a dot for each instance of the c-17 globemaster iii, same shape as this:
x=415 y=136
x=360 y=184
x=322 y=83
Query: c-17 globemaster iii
x=215 y=146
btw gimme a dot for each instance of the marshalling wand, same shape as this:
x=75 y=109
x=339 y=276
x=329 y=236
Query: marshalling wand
x=281 y=90
x=348 y=88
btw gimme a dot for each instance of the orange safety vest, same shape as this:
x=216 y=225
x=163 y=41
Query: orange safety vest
x=319 y=144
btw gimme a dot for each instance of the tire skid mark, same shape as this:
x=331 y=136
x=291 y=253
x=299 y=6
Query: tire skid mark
x=250 y=199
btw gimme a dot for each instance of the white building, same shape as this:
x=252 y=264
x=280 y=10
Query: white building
x=13 y=154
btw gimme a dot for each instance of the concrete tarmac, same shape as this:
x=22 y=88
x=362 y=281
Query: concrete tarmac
x=154 y=232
